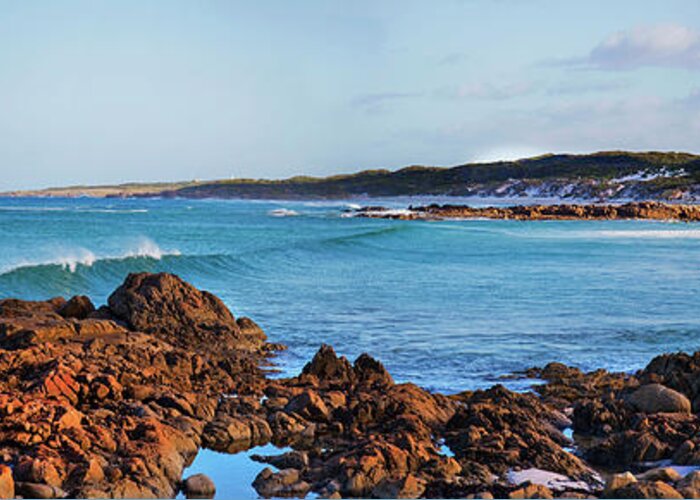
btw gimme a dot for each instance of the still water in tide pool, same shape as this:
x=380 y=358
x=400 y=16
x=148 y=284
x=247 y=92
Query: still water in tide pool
x=450 y=305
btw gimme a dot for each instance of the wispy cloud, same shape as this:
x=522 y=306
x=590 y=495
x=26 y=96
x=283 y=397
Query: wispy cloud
x=452 y=59
x=692 y=100
x=377 y=101
x=488 y=91
x=577 y=87
x=504 y=90
x=636 y=122
x=660 y=45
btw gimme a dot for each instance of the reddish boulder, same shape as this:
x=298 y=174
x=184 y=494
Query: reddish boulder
x=165 y=305
x=199 y=486
x=655 y=398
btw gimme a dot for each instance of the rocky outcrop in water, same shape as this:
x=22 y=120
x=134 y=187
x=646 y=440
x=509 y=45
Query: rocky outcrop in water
x=648 y=210
x=169 y=308
x=117 y=401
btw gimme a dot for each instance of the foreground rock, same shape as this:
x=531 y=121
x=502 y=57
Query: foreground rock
x=114 y=402
x=178 y=313
x=635 y=210
x=117 y=402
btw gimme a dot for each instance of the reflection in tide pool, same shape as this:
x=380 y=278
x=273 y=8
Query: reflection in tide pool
x=233 y=474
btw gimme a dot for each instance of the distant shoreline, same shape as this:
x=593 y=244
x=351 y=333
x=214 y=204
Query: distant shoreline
x=604 y=176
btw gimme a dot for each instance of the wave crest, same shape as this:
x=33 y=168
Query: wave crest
x=282 y=212
x=647 y=233
x=71 y=259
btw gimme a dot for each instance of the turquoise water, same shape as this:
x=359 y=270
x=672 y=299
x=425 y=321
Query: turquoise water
x=450 y=305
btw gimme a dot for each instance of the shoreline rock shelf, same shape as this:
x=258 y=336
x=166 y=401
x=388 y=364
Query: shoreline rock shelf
x=646 y=210
x=117 y=401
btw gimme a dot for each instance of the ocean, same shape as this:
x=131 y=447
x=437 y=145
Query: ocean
x=449 y=305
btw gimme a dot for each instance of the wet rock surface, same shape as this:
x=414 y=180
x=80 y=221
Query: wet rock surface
x=117 y=401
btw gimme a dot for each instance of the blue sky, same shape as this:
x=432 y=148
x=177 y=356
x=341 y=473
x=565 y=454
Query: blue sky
x=101 y=92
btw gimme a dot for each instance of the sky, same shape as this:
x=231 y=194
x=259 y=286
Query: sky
x=98 y=92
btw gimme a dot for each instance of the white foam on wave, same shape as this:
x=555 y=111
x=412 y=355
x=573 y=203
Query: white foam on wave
x=282 y=212
x=34 y=209
x=148 y=248
x=113 y=211
x=70 y=259
x=647 y=233
x=385 y=212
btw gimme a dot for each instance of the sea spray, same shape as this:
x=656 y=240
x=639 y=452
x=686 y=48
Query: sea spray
x=70 y=259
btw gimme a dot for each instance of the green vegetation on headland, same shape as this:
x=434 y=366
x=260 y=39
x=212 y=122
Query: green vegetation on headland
x=604 y=175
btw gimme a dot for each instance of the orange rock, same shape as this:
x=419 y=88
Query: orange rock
x=7 y=483
x=59 y=383
x=652 y=489
x=531 y=491
x=406 y=487
x=35 y=470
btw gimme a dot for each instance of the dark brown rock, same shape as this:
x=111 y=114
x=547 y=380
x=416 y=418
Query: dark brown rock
x=330 y=368
x=285 y=483
x=655 y=398
x=409 y=486
x=369 y=371
x=165 y=305
x=309 y=405
x=199 y=486
x=251 y=330
x=289 y=460
x=79 y=307
x=504 y=429
x=651 y=489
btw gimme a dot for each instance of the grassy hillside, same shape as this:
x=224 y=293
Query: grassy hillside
x=668 y=172
x=458 y=180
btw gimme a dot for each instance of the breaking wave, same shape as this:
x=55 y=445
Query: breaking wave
x=71 y=259
x=282 y=212
x=647 y=233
